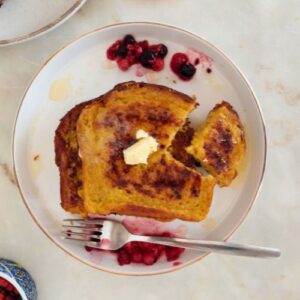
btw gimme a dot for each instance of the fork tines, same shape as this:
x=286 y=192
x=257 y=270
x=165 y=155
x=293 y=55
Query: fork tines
x=84 y=231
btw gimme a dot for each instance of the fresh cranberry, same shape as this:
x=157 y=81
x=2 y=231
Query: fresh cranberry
x=147 y=59
x=123 y=258
x=158 y=64
x=173 y=253
x=123 y=64
x=111 y=52
x=128 y=247
x=186 y=71
x=177 y=60
x=135 y=51
x=144 y=44
x=138 y=50
x=161 y=249
x=148 y=258
x=146 y=246
x=137 y=257
x=129 y=39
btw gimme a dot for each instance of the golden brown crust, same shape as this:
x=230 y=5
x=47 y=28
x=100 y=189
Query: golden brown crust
x=183 y=139
x=219 y=144
x=68 y=160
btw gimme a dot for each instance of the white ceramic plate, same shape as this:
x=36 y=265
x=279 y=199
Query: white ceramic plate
x=23 y=20
x=83 y=64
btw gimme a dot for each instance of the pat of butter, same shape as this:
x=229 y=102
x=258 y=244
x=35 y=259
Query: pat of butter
x=141 y=134
x=139 y=152
x=60 y=89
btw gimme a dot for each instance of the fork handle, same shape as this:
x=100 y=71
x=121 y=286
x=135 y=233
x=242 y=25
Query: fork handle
x=211 y=246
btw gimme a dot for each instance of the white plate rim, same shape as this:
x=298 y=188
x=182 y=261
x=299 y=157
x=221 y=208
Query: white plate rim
x=220 y=52
x=57 y=22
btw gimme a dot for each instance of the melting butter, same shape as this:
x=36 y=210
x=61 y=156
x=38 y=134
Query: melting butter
x=141 y=134
x=60 y=89
x=139 y=152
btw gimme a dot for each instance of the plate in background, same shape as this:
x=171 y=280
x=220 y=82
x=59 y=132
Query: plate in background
x=83 y=64
x=23 y=20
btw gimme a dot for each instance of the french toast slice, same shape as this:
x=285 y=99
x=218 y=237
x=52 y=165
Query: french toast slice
x=68 y=160
x=219 y=143
x=164 y=188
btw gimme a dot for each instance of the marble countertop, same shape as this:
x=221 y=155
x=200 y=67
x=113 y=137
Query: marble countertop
x=263 y=38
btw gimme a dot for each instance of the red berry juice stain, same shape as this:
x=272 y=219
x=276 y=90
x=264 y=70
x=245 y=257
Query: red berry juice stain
x=105 y=243
x=176 y=263
x=95 y=255
x=199 y=57
x=142 y=226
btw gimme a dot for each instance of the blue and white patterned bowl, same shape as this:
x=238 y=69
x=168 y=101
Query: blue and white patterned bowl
x=19 y=278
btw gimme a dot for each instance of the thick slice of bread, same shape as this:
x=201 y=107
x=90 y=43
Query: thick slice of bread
x=219 y=144
x=164 y=188
x=68 y=160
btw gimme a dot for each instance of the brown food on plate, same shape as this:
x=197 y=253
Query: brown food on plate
x=68 y=160
x=183 y=139
x=219 y=144
x=164 y=188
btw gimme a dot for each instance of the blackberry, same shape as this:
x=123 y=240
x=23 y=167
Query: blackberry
x=187 y=70
x=147 y=59
x=122 y=51
x=129 y=39
x=163 y=51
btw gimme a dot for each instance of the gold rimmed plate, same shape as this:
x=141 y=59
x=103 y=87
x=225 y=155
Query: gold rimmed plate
x=82 y=66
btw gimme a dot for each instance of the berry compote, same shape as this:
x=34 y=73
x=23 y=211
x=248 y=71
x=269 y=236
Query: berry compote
x=128 y=51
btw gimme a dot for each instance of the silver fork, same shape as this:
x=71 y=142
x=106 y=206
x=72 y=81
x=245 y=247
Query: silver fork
x=111 y=235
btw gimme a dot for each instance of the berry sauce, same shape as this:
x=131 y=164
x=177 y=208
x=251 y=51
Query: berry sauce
x=8 y=291
x=128 y=51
